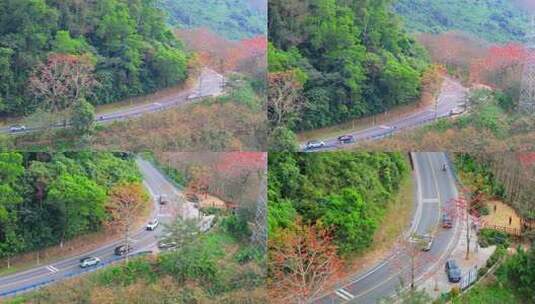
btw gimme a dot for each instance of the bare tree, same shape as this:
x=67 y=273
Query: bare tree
x=126 y=201
x=62 y=80
x=284 y=97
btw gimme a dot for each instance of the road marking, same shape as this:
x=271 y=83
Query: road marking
x=344 y=294
x=52 y=268
x=430 y=201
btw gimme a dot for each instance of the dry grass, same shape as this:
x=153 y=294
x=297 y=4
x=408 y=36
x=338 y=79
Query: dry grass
x=501 y=216
x=396 y=220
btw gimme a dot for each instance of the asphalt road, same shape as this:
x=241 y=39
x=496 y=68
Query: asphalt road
x=209 y=83
x=434 y=190
x=451 y=97
x=142 y=240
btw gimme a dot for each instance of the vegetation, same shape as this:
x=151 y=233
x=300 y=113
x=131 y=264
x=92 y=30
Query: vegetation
x=492 y=20
x=330 y=61
x=48 y=198
x=54 y=52
x=203 y=271
x=233 y=19
x=328 y=204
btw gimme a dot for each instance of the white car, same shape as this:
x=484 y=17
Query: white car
x=17 y=128
x=153 y=224
x=89 y=261
x=314 y=144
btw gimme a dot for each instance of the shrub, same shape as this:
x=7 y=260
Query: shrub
x=236 y=226
x=248 y=254
x=455 y=292
x=488 y=237
x=482 y=271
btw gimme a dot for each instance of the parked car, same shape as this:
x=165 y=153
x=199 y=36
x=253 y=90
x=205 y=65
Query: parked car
x=446 y=221
x=17 y=128
x=89 y=261
x=153 y=224
x=122 y=250
x=166 y=245
x=163 y=199
x=453 y=271
x=314 y=144
x=346 y=139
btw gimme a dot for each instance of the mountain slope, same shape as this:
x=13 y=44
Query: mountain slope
x=493 y=20
x=234 y=19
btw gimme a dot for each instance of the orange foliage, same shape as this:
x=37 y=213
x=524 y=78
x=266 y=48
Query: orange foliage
x=302 y=262
x=498 y=61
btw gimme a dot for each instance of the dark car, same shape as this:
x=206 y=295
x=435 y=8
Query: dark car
x=163 y=200
x=446 y=221
x=346 y=139
x=453 y=271
x=122 y=250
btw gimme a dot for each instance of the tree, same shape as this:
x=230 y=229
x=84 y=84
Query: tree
x=182 y=232
x=301 y=263
x=83 y=117
x=125 y=202
x=62 y=80
x=284 y=98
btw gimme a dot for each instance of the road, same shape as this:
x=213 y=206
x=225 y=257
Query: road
x=209 y=83
x=142 y=240
x=452 y=97
x=434 y=190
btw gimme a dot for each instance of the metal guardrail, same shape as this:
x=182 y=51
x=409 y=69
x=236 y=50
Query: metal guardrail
x=68 y=275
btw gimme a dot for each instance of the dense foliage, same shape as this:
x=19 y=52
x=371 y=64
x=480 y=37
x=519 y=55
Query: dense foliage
x=346 y=58
x=493 y=20
x=210 y=269
x=343 y=192
x=124 y=46
x=233 y=19
x=49 y=198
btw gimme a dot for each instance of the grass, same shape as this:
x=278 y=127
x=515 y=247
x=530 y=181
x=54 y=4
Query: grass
x=489 y=292
x=396 y=220
x=358 y=123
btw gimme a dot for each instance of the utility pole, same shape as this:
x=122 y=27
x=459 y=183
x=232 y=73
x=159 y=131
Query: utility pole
x=526 y=102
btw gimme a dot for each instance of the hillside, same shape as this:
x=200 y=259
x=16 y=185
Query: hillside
x=492 y=20
x=233 y=19
x=333 y=65
x=53 y=54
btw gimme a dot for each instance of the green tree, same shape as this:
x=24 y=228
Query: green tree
x=83 y=117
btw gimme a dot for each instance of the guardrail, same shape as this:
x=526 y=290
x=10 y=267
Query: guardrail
x=68 y=275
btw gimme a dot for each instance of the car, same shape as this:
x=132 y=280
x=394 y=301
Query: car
x=166 y=245
x=153 y=224
x=17 y=128
x=163 y=199
x=314 y=144
x=453 y=271
x=446 y=221
x=122 y=250
x=89 y=261
x=346 y=139
x=426 y=242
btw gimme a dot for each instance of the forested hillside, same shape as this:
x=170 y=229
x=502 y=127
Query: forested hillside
x=50 y=198
x=336 y=60
x=54 y=53
x=327 y=204
x=492 y=20
x=233 y=19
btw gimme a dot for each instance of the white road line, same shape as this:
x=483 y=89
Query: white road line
x=344 y=294
x=52 y=268
x=430 y=201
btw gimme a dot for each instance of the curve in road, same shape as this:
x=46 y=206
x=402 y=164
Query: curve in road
x=435 y=190
x=142 y=240
x=451 y=97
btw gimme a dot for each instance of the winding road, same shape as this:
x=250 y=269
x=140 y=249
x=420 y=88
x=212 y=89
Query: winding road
x=209 y=83
x=143 y=240
x=452 y=97
x=434 y=190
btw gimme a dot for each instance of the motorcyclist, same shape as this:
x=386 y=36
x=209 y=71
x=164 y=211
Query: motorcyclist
x=443 y=167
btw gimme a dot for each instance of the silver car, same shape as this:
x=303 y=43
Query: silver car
x=17 y=128
x=153 y=224
x=89 y=261
x=314 y=144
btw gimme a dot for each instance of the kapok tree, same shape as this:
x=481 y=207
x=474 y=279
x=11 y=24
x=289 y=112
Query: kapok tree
x=302 y=262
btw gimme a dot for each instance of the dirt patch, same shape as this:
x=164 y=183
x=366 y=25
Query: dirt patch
x=500 y=214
